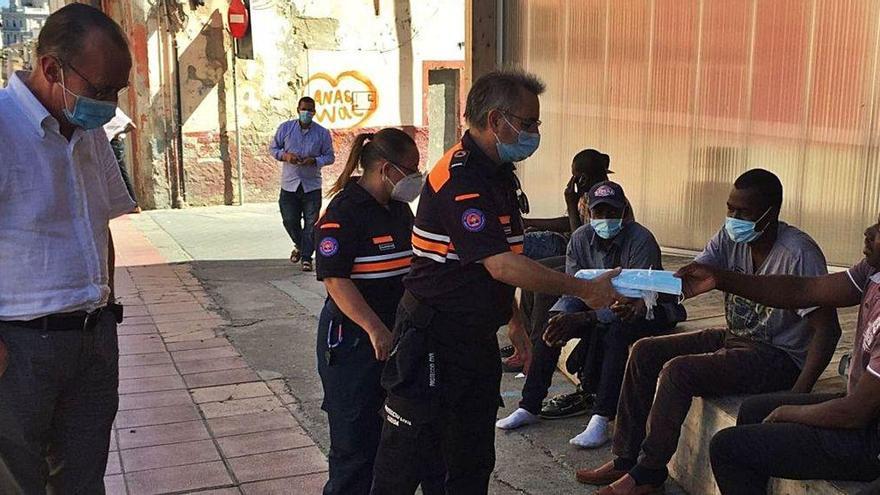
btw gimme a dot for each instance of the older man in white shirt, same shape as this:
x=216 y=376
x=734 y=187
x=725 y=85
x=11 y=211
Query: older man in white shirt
x=59 y=188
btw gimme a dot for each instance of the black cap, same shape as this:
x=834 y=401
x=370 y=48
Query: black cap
x=593 y=163
x=606 y=192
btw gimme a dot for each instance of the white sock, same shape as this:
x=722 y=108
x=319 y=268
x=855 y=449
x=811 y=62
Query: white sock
x=517 y=418
x=596 y=434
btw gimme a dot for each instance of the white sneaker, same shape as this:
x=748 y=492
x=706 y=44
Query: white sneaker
x=595 y=435
x=517 y=418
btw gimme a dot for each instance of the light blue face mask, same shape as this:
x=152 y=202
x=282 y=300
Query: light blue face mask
x=635 y=282
x=305 y=117
x=526 y=144
x=639 y=284
x=607 y=228
x=87 y=113
x=743 y=230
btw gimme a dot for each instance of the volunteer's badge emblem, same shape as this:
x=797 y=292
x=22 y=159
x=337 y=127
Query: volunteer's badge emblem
x=328 y=246
x=473 y=219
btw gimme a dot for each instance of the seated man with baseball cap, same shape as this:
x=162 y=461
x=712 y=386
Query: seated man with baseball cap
x=605 y=242
x=545 y=241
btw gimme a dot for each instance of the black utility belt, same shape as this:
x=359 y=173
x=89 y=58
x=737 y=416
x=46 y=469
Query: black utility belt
x=77 y=321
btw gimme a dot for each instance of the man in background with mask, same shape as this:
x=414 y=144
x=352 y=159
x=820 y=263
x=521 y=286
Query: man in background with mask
x=303 y=147
x=59 y=188
x=606 y=334
x=546 y=237
x=443 y=377
x=763 y=349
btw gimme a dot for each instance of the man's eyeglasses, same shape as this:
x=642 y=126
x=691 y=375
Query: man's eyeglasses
x=528 y=124
x=97 y=93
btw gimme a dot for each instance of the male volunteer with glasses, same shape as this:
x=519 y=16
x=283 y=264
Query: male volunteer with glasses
x=59 y=188
x=443 y=376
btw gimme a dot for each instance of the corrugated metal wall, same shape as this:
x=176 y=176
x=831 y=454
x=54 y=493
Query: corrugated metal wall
x=687 y=94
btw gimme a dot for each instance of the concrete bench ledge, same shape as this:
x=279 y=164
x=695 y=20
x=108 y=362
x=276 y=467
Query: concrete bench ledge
x=691 y=469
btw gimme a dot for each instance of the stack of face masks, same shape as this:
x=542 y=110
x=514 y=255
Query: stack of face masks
x=641 y=284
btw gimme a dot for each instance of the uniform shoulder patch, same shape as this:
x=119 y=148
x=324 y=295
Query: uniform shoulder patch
x=459 y=158
x=473 y=219
x=328 y=246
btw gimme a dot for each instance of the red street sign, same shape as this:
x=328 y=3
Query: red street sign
x=238 y=19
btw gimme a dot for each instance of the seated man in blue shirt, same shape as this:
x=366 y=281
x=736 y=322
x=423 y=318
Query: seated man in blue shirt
x=606 y=242
x=303 y=147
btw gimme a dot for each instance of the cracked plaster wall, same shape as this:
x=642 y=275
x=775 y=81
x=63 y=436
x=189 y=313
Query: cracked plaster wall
x=293 y=40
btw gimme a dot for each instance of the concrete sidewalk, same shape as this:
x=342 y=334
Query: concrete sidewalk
x=194 y=417
x=238 y=254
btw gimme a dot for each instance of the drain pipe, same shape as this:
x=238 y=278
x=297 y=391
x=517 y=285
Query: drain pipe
x=178 y=103
x=178 y=199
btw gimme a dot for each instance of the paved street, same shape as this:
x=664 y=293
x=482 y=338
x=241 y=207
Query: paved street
x=219 y=384
x=237 y=255
x=193 y=414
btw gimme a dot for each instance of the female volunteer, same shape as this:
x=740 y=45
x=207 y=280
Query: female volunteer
x=363 y=252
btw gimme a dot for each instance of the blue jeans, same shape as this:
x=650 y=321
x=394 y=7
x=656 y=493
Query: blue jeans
x=299 y=212
x=58 y=399
x=544 y=244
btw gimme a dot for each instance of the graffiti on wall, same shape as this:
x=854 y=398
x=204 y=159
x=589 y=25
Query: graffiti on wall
x=344 y=101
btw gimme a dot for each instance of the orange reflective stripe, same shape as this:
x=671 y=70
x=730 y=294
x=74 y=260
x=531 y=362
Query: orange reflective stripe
x=434 y=247
x=517 y=248
x=463 y=197
x=504 y=219
x=330 y=226
x=381 y=266
x=440 y=173
x=383 y=239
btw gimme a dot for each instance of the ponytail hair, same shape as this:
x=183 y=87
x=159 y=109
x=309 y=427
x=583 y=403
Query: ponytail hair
x=368 y=148
x=354 y=158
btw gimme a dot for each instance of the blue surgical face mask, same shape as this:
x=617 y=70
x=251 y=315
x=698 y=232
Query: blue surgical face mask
x=305 y=117
x=607 y=228
x=635 y=282
x=87 y=113
x=743 y=230
x=526 y=144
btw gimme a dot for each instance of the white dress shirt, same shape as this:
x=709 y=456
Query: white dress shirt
x=56 y=200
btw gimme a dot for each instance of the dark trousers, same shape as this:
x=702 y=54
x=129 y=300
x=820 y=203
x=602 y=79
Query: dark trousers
x=299 y=212
x=58 y=399
x=444 y=440
x=665 y=373
x=352 y=400
x=605 y=357
x=118 y=145
x=536 y=306
x=745 y=457
x=463 y=433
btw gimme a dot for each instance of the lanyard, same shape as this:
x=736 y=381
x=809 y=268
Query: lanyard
x=330 y=343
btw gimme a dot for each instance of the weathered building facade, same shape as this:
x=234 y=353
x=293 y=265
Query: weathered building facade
x=368 y=63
